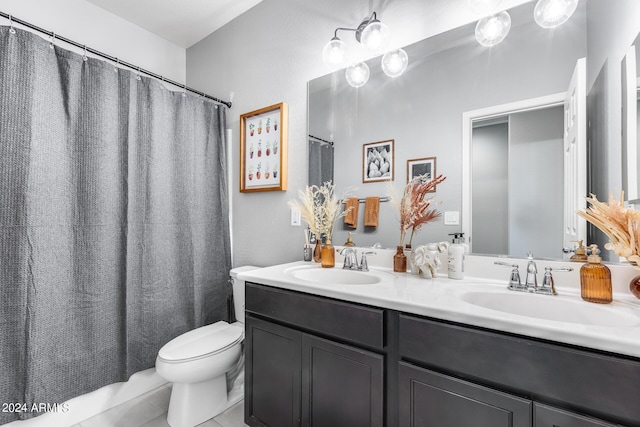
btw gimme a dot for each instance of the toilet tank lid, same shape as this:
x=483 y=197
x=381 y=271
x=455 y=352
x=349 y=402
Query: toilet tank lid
x=201 y=341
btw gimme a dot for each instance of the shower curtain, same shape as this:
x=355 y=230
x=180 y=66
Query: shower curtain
x=114 y=234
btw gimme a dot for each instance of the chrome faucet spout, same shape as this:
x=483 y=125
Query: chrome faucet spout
x=350 y=259
x=532 y=274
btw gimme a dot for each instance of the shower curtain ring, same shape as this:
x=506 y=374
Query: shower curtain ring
x=138 y=75
x=84 y=53
x=52 y=41
x=11 y=29
x=184 y=90
x=117 y=65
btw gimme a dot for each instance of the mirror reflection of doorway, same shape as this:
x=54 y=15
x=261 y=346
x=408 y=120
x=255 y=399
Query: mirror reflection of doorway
x=517 y=175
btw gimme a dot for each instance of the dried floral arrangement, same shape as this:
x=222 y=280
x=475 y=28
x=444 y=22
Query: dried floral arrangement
x=414 y=208
x=620 y=224
x=320 y=208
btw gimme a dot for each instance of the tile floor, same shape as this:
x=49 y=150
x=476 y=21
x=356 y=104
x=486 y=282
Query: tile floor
x=150 y=410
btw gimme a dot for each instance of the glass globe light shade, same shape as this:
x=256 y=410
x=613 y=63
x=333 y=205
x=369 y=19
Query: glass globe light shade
x=334 y=52
x=484 y=7
x=357 y=75
x=493 y=29
x=375 y=36
x=552 y=13
x=395 y=62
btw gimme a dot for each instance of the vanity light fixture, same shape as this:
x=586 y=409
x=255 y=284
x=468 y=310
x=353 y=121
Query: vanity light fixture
x=357 y=75
x=552 y=13
x=491 y=30
x=394 y=62
x=374 y=36
x=371 y=33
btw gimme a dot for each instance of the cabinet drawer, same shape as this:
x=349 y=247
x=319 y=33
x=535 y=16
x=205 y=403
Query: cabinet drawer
x=602 y=385
x=431 y=399
x=548 y=416
x=352 y=322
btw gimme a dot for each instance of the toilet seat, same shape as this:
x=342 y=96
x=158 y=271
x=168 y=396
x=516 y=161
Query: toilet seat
x=201 y=342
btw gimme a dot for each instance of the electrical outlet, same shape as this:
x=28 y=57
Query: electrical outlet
x=295 y=217
x=452 y=218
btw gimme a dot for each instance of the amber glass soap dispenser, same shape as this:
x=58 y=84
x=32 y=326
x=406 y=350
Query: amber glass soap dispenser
x=595 y=279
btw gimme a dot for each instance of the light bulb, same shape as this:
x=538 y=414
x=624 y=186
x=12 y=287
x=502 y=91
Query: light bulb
x=552 y=13
x=357 y=75
x=395 y=62
x=484 y=7
x=375 y=36
x=493 y=29
x=334 y=52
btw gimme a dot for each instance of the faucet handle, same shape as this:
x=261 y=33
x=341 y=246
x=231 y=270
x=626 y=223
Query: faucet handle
x=514 y=281
x=548 y=287
x=364 y=266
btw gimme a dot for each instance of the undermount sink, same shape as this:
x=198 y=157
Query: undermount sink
x=338 y=276
x=556 y=308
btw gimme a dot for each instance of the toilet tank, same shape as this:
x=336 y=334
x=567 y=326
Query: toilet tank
x=238 y=290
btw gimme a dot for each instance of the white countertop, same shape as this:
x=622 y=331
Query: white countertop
x=443 y=298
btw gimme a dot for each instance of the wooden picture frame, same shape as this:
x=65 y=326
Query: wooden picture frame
x=425 y=166
x=378 y=161
x=263 y=149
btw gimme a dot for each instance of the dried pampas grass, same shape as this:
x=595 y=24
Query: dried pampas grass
x=620 y=224
x=414 y=207
x=320 y=208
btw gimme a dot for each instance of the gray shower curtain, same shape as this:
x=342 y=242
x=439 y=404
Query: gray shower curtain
x=114 y=234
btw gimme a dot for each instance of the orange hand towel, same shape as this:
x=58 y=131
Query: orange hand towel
x=351 y=218
x=371 y=209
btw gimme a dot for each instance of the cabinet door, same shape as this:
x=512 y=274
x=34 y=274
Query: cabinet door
x=428 y=398
x=341 y=385
x=548 y=416
x=272 y=375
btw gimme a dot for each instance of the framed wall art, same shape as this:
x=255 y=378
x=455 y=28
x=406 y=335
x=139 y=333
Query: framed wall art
x=263 y=149
x=425 y=167
x=377 y=161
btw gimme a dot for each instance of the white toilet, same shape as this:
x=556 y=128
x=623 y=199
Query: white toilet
x=197 y=363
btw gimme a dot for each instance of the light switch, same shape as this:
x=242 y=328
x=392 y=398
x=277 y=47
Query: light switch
x=452 y=218
x=295 y=217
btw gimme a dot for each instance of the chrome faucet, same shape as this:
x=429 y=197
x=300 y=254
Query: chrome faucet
x=531 y=283
x=350 y=259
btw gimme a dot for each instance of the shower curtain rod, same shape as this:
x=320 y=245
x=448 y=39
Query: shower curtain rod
x=55 y=36
x=321 y=140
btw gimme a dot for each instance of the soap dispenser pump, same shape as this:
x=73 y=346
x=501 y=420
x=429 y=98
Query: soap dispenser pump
x=595 y=279
x=580 y=253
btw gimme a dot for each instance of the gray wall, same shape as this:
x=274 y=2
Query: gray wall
x=266 y=56
x=269 y=53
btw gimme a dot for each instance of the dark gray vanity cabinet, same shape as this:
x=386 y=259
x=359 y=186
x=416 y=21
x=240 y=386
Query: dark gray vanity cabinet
x=311 y=361
x=566 y=386
x=316 y=361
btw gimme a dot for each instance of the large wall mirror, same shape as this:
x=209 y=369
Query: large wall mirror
x=453 y=89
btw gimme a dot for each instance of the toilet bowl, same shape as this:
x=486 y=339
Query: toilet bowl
x=197 y=363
